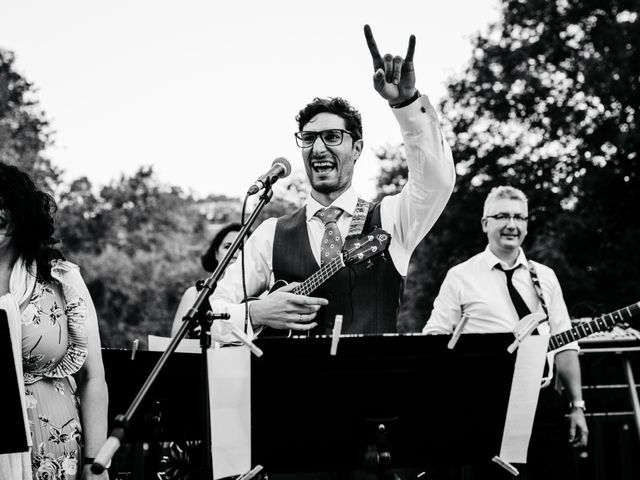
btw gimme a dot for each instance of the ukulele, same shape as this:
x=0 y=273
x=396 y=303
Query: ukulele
x=356 y=249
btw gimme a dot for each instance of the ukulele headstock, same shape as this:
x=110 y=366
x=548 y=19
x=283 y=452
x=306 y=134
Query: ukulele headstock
x=363 y=247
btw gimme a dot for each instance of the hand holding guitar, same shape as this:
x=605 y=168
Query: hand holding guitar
x=290 y=307
x=578 y=430
x=285 y=310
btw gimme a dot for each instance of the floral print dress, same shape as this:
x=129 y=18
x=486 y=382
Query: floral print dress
x=54 y=346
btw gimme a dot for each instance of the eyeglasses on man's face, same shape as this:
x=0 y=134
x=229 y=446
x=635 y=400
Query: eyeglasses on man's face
x=331 y=138
x=506 y=217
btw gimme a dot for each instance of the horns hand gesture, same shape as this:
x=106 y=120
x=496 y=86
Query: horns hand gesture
x=394 y=77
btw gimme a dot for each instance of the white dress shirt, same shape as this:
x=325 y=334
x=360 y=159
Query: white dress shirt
x=477 y=289
x=407 y=216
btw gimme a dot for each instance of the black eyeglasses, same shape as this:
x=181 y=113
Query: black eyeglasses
x=331 y=138
x=505 y=217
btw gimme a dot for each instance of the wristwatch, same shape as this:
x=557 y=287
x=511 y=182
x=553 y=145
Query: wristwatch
x=577 y=404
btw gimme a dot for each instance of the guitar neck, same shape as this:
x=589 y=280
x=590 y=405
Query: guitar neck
x=321 y=276
x=600 y=324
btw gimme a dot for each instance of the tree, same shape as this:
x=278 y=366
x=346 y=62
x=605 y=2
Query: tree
x=138 y=242
x=25 y=131
x=548 y=104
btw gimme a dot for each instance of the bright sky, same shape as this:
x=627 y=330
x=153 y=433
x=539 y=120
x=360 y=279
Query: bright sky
x=207 y=91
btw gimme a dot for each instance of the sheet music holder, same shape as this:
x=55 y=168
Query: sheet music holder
x=316 y=412
x=177 y=386
x=169 y=411
x=15 y=435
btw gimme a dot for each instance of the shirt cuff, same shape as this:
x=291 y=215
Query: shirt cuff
x=236 y=318
x=568 y=346
x=416 y=113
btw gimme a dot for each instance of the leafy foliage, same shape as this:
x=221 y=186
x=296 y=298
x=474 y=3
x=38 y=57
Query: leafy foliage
x=548 y=104
x=24 y=129
x=138 y=245
x=138 y=241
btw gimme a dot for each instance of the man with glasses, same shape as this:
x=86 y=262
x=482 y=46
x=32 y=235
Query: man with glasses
x=295 y=246
x=495 y=289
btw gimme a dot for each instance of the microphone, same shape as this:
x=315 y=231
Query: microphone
x=280 y=168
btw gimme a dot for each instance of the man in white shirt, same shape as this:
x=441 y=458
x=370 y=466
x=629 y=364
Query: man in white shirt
x=495 y=289
x=293 y=247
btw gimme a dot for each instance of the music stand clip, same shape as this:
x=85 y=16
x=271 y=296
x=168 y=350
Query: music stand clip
x=458 y=331
x=524 y=328
x=251 y=473
x=335 y=335
x=506 y=465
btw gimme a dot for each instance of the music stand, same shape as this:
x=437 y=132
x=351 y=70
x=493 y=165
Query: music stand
x=315 y=412
x=15 y=435
x=178 y=384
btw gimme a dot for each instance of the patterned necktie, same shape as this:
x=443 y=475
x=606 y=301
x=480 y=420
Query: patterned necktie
x=331 y=240
x=518 y=302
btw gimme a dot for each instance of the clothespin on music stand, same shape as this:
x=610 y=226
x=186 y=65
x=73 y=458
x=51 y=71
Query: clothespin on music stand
x=251 y=473
x=458 y=331
x=335 y=335
x=506 y=465
x=134 y=348
x=239 y=334
x=525 y=327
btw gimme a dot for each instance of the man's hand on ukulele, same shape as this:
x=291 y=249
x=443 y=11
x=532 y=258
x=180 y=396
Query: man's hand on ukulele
x=285 y=310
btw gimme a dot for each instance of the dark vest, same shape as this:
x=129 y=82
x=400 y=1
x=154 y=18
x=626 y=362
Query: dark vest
x=367 y=295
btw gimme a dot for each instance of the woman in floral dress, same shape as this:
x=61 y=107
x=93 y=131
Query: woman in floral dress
x=46 y=299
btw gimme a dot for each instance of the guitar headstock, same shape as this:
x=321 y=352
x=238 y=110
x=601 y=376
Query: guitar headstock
x=361 y=248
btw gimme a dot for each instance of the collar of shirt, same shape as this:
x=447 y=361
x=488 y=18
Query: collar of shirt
x=347 y=202
x=492 y=260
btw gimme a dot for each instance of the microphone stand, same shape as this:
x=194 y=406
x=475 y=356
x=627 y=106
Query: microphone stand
x=198 y=312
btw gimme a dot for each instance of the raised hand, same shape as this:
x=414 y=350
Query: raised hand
x=394 y=77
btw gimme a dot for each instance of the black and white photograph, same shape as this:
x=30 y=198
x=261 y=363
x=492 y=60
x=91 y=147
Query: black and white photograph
x=342 y=240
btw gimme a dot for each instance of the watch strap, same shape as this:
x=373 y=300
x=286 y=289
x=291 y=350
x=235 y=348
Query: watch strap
x=577 y=404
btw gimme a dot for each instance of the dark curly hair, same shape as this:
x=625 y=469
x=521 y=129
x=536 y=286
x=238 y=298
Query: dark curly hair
x=28 y=214
x=337 y=106
x=209 y=260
